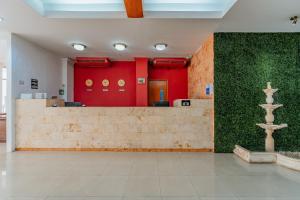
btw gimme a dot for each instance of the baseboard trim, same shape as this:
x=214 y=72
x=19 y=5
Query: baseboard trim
x=116 y=149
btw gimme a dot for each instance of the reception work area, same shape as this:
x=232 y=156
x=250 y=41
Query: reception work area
x=149 y=100
x=139 y=105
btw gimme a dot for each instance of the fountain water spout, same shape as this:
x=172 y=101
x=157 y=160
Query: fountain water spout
x=269 y=126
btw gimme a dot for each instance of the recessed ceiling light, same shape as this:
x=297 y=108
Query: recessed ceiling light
x=160 y=46
x=120 y=46
x=79 y=47
x=1 y=19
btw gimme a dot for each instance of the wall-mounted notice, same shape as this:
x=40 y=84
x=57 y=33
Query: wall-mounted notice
x=141 y=80
x=34 y=84
x=209 y=89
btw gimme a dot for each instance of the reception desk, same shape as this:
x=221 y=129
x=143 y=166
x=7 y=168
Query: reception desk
x=42 y=127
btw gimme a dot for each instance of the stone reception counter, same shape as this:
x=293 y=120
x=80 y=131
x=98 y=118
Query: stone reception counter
x=40 y=127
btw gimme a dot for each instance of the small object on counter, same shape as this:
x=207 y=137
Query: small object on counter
x=26 y=96
x=61 y=91
x=55 y=105
x=54 y=97
x=40 y=95
x=83 y=105
x=185 y=102
x=161 y=104
x=73 y=104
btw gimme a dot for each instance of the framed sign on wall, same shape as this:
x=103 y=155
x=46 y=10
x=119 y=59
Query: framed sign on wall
x=34 y=84
x=141 y=81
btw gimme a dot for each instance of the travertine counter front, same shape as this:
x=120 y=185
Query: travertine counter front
x=113 y=128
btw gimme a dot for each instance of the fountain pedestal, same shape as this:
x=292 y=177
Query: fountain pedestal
x=269 y=141
x=269 y=130
x=269 y=126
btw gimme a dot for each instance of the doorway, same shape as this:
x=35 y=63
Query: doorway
x=158 y=92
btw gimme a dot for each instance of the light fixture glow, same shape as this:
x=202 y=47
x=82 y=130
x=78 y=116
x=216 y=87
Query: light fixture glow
x=78 y=47
x=120 y=46
x=160 y=46
x=3 y=173
x=1 y=19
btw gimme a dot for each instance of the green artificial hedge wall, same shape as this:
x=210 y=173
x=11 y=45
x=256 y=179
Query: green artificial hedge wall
x=244 y=63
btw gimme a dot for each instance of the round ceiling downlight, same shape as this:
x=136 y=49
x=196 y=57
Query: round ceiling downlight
x=120 y=46
x=160 y=46
x=79 y=47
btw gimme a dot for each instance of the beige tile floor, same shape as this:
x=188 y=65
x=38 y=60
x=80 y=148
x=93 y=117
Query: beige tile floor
x=141 y=176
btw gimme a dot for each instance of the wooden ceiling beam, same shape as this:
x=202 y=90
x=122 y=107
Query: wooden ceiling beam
x=134 y=8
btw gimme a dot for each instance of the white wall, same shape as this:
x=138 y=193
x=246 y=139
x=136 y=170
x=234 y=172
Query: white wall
x=68 y=79
x=25 y=61
x=31 y=61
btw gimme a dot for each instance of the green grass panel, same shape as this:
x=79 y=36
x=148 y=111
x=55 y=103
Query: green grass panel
x=244 y=63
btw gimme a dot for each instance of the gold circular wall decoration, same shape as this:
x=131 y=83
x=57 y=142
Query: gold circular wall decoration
x=89 y=82
x=105 y=83
x=121 y=83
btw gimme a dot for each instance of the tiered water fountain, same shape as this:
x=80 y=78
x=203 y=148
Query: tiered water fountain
x=287 y=159
x=269 y=126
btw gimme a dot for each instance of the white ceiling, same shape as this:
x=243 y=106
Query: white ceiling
x=183 y=36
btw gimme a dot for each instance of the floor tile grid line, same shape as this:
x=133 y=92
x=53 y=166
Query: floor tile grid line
x=159 y=183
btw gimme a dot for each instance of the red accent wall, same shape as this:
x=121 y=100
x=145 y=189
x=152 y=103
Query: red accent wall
x=118 y=70
x=142 y=89
x=177 y=81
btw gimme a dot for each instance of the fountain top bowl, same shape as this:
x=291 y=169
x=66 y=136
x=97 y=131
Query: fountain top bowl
x=272 y=126
x=270 y=106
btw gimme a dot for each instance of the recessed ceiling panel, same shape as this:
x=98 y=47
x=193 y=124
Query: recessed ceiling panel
x=187 y=8
x=79 y=8
x=116 y=8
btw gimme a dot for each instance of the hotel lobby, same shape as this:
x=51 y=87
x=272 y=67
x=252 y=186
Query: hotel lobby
x=149 y=100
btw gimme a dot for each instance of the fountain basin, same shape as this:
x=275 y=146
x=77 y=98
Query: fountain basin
x=290 y=160
x=254 y=157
